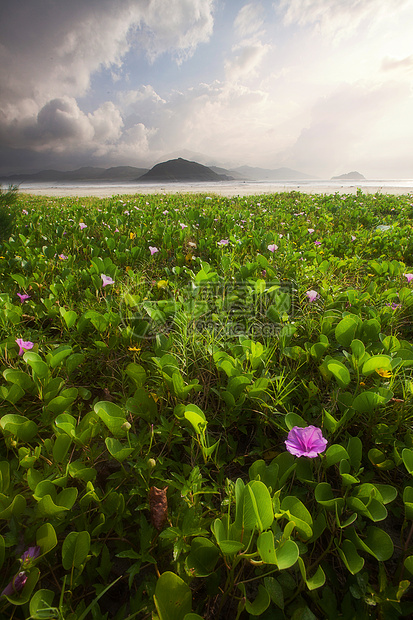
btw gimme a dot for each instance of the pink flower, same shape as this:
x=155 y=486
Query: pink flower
x=25 y=212
x=153 y=250
x=310 y=230
x=223 y=242
x=312 y=295
x=317 y=242
x=183 y=226
x=307 y=441
x=62 y=257
x=272 y=247
x=106 y=280
x=353 y=238
x=23 y=297
x=82 y=225
x=409 y=276
x=24 y=345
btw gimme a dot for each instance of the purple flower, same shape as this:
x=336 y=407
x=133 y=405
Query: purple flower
x=32 y=553
x=23 y=297
x=317 y=242
x=153 y=250
x=272 y=247
x=223 y=242
x=16 y=585
x=307 y=441
x=409 y=276
x=106 y=280
x=62 y=257
x=24 y=345
x=312 y=295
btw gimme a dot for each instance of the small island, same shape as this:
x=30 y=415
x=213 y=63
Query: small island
x=349 y=176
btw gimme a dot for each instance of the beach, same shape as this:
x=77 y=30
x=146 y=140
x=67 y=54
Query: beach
x=237 y=188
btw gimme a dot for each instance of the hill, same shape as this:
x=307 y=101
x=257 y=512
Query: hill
x=181 y=170
x=349 y=176
x=265 y=174
x=88 y=173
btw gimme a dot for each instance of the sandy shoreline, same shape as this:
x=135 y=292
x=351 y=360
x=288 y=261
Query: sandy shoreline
x=238 y=189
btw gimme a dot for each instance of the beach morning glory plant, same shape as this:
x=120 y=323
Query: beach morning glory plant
x=153 y=250
x=24 y=345
x=106 y=280
x=272 y=247
x=312 y=295
x=307 y=441
x=23 y=297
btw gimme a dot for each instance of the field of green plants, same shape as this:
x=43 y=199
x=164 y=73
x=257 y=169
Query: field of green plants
x=206 y=407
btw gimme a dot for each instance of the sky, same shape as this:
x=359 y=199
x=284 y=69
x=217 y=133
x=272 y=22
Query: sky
x=320 y=86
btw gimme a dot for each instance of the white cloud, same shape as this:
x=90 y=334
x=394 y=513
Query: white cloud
x=249 y=20
x=338 y=17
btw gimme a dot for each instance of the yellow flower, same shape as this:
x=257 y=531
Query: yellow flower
x=383 y=372
x=362 y=384
x=154 y=396
x=134 y=349
x=132 y=235
x=188 y=257
x=162 y=284
x=128 y=268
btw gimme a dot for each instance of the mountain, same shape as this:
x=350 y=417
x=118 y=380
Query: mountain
x=349 y=176
x=181 y=170
x=264 y=174
x=117 y=173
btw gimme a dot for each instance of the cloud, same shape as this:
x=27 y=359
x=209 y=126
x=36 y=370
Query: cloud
x=344 y=126
x=249 y=20
x=245 y=61
x=391 y=64
x=49 y=53
x=335 y=17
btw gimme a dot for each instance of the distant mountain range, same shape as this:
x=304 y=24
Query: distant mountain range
x=173 y=170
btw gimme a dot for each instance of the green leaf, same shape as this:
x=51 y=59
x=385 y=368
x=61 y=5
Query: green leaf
x=196 y=417
x=407 y=456
x=345 y=330
x=46 y=538
x=334 y=454
x=375 y=362
x=275 y=591
x=69 y=317
x=40 y=605
x=18 y=377
x=39 y=367
x=112 y=416
x=19 y=426
x=13 y=508
x=339 y=371
x=117 y=450
x=202 y=558
x=75 y=549
x=369 y=400
x=348 y=553
x=314 y=582
x=136 y=373
x=173 y=598
x=260 y=603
